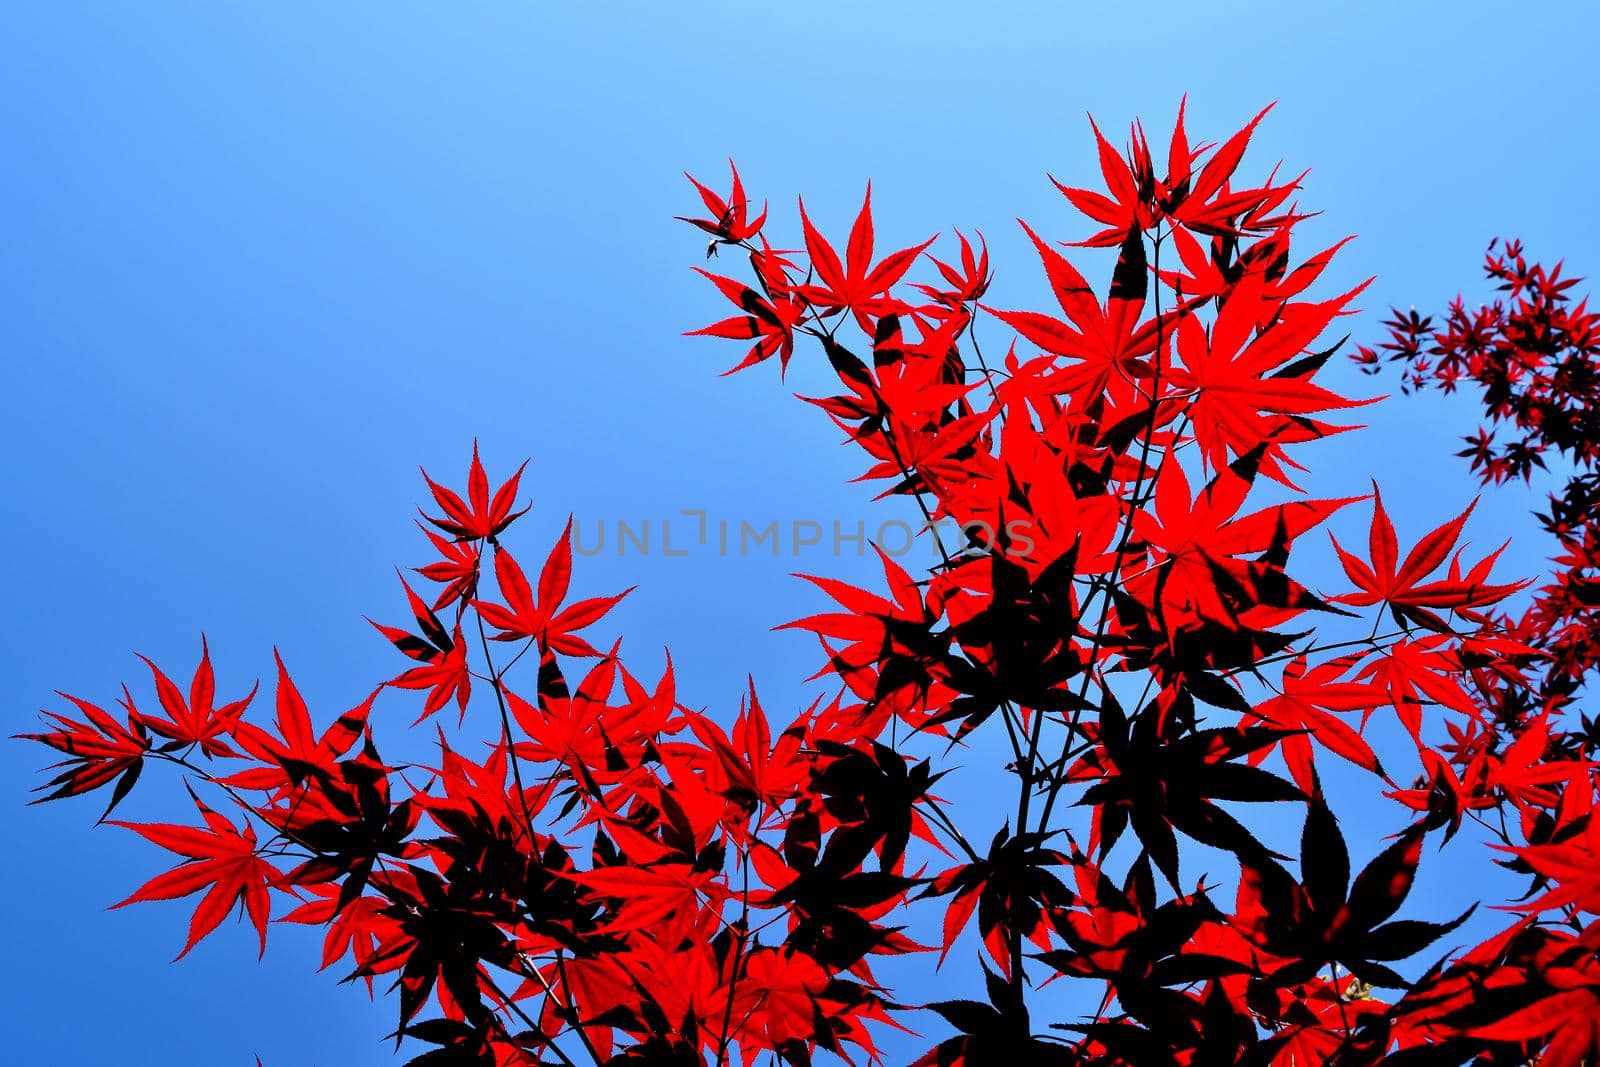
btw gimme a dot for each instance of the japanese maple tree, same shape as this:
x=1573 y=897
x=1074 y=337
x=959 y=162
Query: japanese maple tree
x=1121 y=510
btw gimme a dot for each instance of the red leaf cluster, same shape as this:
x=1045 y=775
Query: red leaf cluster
x=1121 y=599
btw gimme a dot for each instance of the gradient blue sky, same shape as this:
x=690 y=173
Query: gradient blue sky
x=260 y=261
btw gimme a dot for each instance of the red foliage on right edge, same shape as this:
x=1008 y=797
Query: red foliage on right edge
x=622 y=880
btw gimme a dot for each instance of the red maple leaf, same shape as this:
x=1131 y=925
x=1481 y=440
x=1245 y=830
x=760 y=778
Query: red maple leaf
x=444 y=673
x=297 y=751
x=730 y=221
x=855 y=284
x=770 y=314
x=478 y=517
x=218 y=856
x=457 y=569
x=1401 y=585
x=1247 y=379
x=1109 y=342
x=1306 y=701
x=542 y=617
x=97 y=750
x=196 y=721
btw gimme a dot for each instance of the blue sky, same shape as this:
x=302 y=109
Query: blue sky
x=261 y=261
